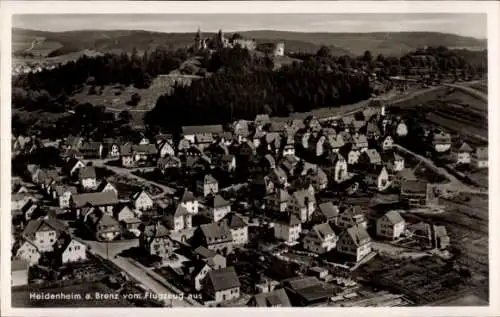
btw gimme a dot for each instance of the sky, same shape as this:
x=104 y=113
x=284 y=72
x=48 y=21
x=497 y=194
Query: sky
x=473 y=25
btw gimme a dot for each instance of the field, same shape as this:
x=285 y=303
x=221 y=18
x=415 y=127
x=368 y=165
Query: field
x=21 y=298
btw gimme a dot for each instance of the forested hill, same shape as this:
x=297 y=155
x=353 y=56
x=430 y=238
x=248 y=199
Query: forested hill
x=391 y=43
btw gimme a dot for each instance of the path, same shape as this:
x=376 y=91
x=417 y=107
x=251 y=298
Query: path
x=129 y=173
x=454 y=183
x=142 y=276
x=471 y=91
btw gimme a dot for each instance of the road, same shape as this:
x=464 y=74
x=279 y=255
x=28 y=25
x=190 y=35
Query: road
x=471 y=91
x=138 y=273
x=129 y=173
x=454 y=183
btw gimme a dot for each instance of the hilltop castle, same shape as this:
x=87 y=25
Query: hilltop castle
x=219 y=41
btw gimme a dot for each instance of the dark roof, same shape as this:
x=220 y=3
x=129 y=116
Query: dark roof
x=482 y=153
x=323 y=230
x=223 y=279
x=87 y=172
x=394 y=217
x=301 y=195
x=234 y=221
x=95 y=199
x=414 y=186
x=216 y=231
x=217 y=201
x=288 y=219
x=329 y=210
x=180 y=211
x=278 y=297
x=205 y=252
x=128 y=149
x=61 y=189
x=35 y=225
x=358 y=235
x=186 y=196
x=202 y=129
x=19 y=265
x=156 y=231
x=91 y=146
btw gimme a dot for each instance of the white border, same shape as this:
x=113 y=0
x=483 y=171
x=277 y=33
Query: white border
x=491 y=8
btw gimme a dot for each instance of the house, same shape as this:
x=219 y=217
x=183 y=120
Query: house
x=29 y=252
x=196 y=271
x=401 y=129
x=73 y=165
x=73 y=142
x=212 y=258
x=102 y=226
x=462 y=153
x=189 y=132
x=168 y=162
x=278 y=200
x=228 y=163
x=326 y=212
x=63 y=194
x=105 y=201
x=387 y=143
x=87 y=178
x=166 y=148
x=372 y=130
x=207 y=185
x=393 y=161
x=352 y=216
x=137 y=154
x=352 y=156
x=275 y=298
x=479 y=157
x=318 y=179
x=335 y=166
x=406 y=174
x=216 y=208
x=19 y=272
x=306 y=291
x=441 y=142
x=91 y=150
x=278 y=176
x=378 y=178
x=370 y=158
x=222 y=284
x=111 y=148
x=241 y=130
x=29 y=209
x=441 y=240
x=359 y=142
x=391 y=225
x=414 y=193
x=302 y=203
x=178 y=218
x=203 y=140
x=188 y=201
x=123 y=212
x=335 y=142
x=70 y=250
x=19 y=189
x=216 y=236
x=142 y=201
x=287 y=228
x=106 y=186
x=18 y=201
x=321 y=239
x=43 y=232
x=156 y=241
x=238 y=227
x=355 y=242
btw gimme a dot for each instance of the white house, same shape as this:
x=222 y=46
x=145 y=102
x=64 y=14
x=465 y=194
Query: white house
x=352 y=216
x=463 y=154
x=355 y=242
x=188 y=201
x=87 y=177
x=387 y=143
x=479 y=157
x=391 y=225
x=238 y=227
x=142 y=201
x=29 y=252
x=287 y=228
x=320 y=239
x=302 y=203
x=71 y=250
x=217 y=208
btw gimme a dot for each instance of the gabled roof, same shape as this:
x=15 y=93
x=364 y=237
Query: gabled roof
x=91 y=146
x=217 y=128
x=128 y=149
x=204 y=252
x=301 y=195
x=323 y=230
x=262 y=119
x=414 y=186
x=440 y=231
x=139 y=193
x=181 y=211
x=156 y=231
x=87 y=172
x=209 y=179
x=103 y=185
x=358 y=235
x=481 y=153
x=234 y=221
x=36 y=225
x=278 y=297
x=186 y=196
x=288 y=219
x=223 y=279
x=394 y=217
x=464 y=147
x=217 y=201
x=406 y=173
x=373 y=156
x=95 y=199
x=329 y=210
x=216 y=231
x=61 y=189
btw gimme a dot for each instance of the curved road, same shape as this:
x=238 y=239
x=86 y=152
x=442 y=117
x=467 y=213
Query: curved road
x=471 y=91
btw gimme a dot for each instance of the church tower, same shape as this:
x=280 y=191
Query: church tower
x=197 y=40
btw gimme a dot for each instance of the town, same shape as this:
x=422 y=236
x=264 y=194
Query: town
x=321 y=208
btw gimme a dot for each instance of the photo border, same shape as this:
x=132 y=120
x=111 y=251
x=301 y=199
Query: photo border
x=491 y=8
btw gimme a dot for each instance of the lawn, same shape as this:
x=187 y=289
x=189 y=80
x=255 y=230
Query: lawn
x=21 y=298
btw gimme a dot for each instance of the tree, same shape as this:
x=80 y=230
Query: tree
x=134 y=100
x=323 y=52
x=125 y=116
x=367 y=57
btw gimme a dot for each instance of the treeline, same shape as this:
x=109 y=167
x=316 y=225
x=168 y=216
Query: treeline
x=234 y=92
x=125 y=69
